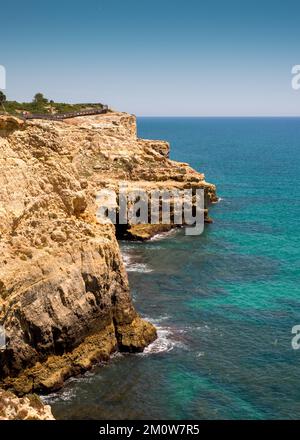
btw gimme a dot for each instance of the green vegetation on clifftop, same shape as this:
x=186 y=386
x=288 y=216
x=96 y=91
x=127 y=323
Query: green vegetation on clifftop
x=42 y=105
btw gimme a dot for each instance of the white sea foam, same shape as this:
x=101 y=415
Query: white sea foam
x=65 y=396
x=164 y=235
x=133 y=265
x=200 y=354
x=168 y=338
x=203 y=328
x=139 y=267
x=126 y=258
x=157 y=321
x=163 y=343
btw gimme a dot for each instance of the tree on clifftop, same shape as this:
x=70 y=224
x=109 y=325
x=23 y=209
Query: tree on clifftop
x=39 y=99
x=2 y=99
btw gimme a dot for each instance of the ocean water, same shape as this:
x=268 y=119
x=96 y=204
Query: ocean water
x=224 y=302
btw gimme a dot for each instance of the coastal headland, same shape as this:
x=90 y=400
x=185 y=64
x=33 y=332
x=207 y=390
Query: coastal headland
x=65 y=300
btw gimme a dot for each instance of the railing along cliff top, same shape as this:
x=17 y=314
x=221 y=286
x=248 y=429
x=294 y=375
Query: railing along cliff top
x=58 y=117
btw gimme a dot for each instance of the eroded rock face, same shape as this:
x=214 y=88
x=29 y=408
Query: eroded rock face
x=25 y=408
x=64 y=294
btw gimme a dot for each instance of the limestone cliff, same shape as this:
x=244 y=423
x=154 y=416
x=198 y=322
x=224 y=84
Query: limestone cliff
x=64 y=295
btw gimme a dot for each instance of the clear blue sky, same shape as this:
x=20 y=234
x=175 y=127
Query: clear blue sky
x=156 y=57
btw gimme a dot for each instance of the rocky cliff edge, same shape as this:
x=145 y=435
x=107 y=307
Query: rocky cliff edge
x=64 y=296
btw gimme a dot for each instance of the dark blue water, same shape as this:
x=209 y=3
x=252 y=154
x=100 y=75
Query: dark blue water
x=224 y=302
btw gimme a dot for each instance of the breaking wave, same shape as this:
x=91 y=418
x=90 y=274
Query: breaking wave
x=135 y=266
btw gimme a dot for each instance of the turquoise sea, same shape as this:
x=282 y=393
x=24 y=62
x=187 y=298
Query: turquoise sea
x=224 y=302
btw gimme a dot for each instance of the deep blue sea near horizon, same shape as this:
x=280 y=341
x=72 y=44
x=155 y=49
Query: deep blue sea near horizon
x=224 y=302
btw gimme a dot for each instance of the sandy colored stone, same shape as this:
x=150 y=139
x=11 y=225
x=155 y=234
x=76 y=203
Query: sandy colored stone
x=64 y=295
x=25 y=408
